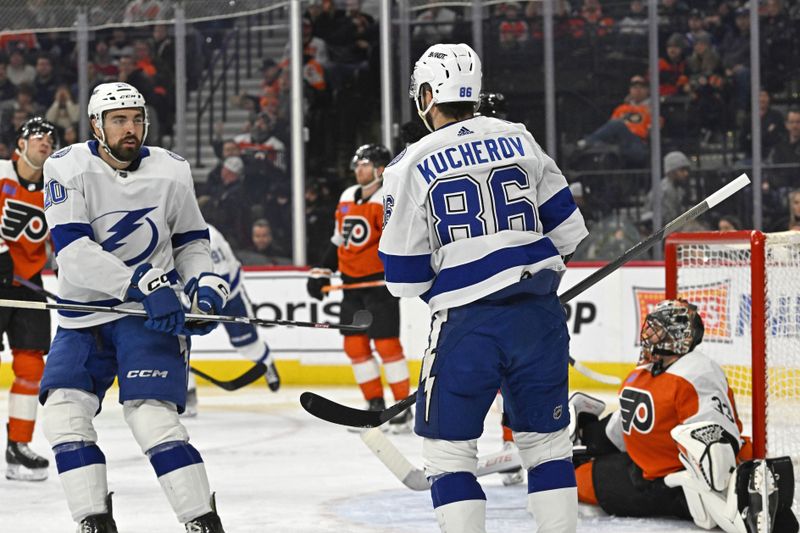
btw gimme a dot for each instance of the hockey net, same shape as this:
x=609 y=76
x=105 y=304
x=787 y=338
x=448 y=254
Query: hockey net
x=746 y=285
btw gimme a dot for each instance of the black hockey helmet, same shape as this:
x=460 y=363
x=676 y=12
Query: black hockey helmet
x=38 y=126
x=674 y=327
x=377 y=154
x=492 y=105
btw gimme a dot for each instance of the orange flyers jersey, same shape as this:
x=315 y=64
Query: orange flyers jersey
x=358 y=230
x=22 y=225
x=693 y=389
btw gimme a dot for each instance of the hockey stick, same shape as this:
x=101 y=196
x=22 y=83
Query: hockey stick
x=414 y=478
x=347 y=416
x=252 y=374
x=361 y=320
x=360 y=285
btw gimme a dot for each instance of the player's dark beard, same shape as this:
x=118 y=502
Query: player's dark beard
x=124 y=153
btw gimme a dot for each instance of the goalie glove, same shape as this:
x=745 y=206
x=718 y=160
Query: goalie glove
x=208 y=294
x=317 y=279
x=583 y=410
x=151 y=287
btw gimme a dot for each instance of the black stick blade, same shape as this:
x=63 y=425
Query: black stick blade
x=343 y=415
x=255 y=372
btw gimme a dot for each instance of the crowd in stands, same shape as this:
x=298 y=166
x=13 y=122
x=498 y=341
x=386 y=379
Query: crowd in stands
x=603 y=103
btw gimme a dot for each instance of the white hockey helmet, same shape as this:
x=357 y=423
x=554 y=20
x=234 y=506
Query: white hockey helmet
x=453 y=72
x=115 y=95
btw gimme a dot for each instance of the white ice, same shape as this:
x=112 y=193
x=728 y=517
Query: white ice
x=276 y=469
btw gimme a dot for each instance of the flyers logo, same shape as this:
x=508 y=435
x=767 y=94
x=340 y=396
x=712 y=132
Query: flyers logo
x=21 y=218
x=355 y=230
x=712 y=301
x=636 y=407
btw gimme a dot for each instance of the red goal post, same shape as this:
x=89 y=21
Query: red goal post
x=747 y=288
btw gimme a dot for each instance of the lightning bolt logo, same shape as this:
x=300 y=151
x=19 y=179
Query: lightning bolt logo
x=430 y=356
x=125 y=227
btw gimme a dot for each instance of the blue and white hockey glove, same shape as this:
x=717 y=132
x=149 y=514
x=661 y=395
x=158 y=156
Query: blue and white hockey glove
x=208 y=294
x=151 y=286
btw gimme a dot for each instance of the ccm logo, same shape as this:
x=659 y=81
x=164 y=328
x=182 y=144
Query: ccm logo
x=148 y=373
x=157 y=282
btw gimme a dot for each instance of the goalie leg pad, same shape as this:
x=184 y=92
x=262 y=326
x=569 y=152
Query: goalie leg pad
x=707 y=450
x=775 y=479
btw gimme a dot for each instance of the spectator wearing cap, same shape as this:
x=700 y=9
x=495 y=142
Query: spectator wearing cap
x=231 y=209
x=673 y=186
x=696 y=25
x=629 y=126
x=672 y=68
x=705 y=79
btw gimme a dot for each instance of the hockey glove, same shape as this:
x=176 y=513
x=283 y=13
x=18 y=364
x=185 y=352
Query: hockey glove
x=6 y=268
x=151 y=286
x=318 y=278
x=208 y=294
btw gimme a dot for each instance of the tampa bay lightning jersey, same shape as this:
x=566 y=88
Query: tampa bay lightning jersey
x=105 y=222
x=226 y=265
x=469 y=209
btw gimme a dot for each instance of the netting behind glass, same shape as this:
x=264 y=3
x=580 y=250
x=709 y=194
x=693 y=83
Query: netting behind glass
x=717 y=278
x=57 y=15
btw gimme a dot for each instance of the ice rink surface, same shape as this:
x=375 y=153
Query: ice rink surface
x=276 y=469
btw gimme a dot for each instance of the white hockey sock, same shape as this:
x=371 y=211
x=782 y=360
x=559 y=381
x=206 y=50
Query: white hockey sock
x=182 y=476
x=459 y=503
x=82 y=471
x=553 y=496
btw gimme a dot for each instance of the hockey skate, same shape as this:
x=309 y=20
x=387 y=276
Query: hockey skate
x=208 y=523
x=375 y=404
x=402 y=423
x=190 y=410
x=23 y=464
x=273 y=379
x=99 y=523
x=515 y=476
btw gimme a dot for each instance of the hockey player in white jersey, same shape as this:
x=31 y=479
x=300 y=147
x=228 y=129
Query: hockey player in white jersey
x=243 y=337
x=127 y=231
x=479 y=222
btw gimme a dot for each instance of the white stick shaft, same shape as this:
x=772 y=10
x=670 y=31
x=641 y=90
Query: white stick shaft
x=728 y=190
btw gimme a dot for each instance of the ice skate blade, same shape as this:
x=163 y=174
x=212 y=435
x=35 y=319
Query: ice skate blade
x=20 y=473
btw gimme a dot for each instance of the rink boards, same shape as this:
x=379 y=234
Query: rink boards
x=604 y=323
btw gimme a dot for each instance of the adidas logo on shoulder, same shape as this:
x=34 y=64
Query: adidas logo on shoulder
x=464 y=131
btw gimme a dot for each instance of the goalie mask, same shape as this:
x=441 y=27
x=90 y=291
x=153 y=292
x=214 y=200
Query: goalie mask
x=673 y=328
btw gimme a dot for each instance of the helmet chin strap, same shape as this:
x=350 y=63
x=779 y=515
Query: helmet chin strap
x=24 y=156
x=423 y=114
x=376 y=179
x=104 y=144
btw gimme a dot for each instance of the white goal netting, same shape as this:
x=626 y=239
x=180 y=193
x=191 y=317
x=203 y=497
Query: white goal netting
x=719 y=277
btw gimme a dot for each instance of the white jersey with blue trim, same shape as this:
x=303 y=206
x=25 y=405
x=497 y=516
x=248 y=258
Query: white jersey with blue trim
x=469 y=209
x=105 y=222
x=225 y=263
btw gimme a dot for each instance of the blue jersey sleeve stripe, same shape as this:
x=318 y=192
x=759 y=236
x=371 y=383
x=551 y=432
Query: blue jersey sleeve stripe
x=557 y=209
x=65 y=234
x=407 y=268
x=475 y=272
x=182 y=239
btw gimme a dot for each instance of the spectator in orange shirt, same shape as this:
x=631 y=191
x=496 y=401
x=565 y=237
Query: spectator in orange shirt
x=629 y=126
x=513 y=30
